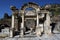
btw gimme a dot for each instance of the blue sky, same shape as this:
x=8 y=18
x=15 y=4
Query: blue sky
x=5 y=4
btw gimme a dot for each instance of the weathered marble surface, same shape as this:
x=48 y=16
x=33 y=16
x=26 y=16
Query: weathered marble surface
x=44 y=37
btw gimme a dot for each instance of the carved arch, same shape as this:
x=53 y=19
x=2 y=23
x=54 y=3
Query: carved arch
x=30 y=5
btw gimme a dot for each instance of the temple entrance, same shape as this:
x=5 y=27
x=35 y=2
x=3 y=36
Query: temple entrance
x=33 y=21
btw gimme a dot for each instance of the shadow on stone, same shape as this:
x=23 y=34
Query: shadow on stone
x=53 y=26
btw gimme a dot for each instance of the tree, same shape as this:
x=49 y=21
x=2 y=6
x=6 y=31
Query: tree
x=6 y=16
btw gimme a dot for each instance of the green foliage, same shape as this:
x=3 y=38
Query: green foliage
x=55 y=10
x=6 y=15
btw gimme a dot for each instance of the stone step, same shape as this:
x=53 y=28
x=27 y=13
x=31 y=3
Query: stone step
x=44 y=37
x=21 y=38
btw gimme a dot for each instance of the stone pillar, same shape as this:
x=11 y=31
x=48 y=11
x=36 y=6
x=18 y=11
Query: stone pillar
x=38 y=33
x=37 y=21
x=11 y=30
x=14 y=20
x=22 y=26
x=48 y=23
x=47 y=27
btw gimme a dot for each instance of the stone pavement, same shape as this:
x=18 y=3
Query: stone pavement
x=44 y=37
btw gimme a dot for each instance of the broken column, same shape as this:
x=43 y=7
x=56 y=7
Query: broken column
x=47 y=27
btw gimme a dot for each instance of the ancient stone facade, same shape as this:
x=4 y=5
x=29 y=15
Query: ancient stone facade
x=33 y=22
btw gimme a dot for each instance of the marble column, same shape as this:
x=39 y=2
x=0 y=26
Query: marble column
x=22 y=26
x=14 y=20
x=47 y=27
x=38 y=33
x=37 y=21
x=12 y=27
x=48 y=23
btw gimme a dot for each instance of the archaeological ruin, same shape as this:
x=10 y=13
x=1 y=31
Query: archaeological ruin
x=30 y=22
